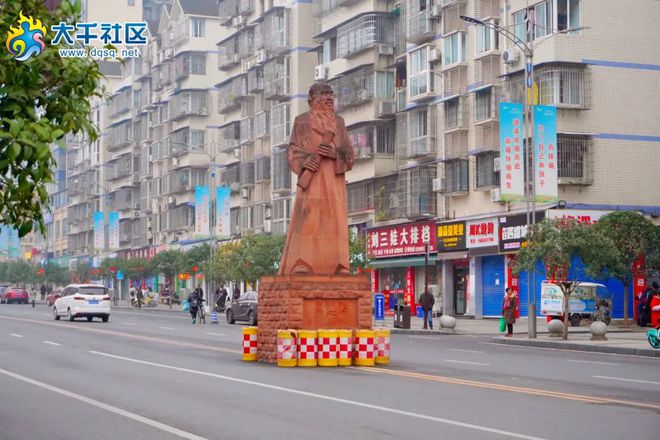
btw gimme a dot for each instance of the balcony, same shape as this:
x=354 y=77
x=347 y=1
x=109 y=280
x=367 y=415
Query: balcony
x=275 y=31
x=262 y=169
x=356 y=87
x=256 y=80
x=456 y=114
x=420 y=27
x=487 y=69
x=188 y=63
x=119 y=135
x=456 y=145
x=360 y=196
x=421 y=130
x=189 y=103
x=486 y=164
x=280 y=127
x=486 y=9
x=231 y=177
x=246 y=131
x=183 y=180
x=456 y=178
x=228 y=9
x=454 y=80
x=364 y=33
x=486 y=105
x=120 y=102
x=415 y=192
x=229 y=56
x=370 y=140
x=120 y=168
x=124 y=199
x=231 y=93
x=230 y=136
x=261 y=125
x=563 y=85
x=281 y=176
x=451 y=13
x=277 y=78
x=486 y=137
x=247 y=174
x=386 y=198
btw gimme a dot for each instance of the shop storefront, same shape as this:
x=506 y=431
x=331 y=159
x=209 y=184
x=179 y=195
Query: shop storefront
x=402 y=257
x=453 y=266
x=486 y=266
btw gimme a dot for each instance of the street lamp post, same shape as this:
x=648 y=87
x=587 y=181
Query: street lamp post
x=528 y=145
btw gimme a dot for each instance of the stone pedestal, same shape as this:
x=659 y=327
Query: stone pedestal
x=310 y=302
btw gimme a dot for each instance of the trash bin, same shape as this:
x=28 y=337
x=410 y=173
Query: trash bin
x=402 y=317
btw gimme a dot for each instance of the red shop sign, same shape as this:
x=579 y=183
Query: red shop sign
x=399 y=240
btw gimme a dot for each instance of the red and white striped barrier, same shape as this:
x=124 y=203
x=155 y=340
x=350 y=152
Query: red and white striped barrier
x=286 y=348
x=364 y=347
x=383 y=346
x=344 y=348
x=307 y=348
x=249 y=343
x=327 y=346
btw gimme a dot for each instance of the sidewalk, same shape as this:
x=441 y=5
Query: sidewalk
x=628 y=341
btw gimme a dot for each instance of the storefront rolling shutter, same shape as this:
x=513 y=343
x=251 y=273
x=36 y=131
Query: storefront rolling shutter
x=492 y=279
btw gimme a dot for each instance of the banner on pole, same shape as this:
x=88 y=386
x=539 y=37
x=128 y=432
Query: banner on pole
x=202 y=211
x=512 y=176
x=113 y=230
x=545 y=153
x=99 y=231
x=222 y=211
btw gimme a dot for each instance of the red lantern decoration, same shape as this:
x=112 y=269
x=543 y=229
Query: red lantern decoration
x=195 y=268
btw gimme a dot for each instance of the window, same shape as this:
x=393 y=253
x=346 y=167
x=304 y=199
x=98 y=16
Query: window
x=486 y=174
x=198 y=64
x=456 y=176
x=421 y=126
x=568 y=14
x=572 y=159
x=198 y=27
x=419 y=72
x=483 y=105
x=487 y=39
x=455 y=48
x=534 y=22
x=385 y=85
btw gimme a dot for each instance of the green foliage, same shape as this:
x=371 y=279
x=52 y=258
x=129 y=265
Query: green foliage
x=41 y=100
x=554 y=243
x=81 y=273
x=197 y=256
x=250 y=259
x=55 y=274
x=631 y=235
x=357 y=249
x=169 y=263
x=221 y=268
x=19 y=272
x=137 y=268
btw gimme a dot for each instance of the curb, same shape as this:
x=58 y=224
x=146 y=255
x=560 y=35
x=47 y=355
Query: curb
x=644 y=352
x=146 y=309
x=404 y=331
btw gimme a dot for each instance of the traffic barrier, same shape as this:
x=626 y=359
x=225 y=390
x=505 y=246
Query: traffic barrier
x=249 y=344
x=286 y=348
x=307 y=348
x=214 y=317
x=383 y=346
x=364 y=348
x=344 y=348
x=327 y=348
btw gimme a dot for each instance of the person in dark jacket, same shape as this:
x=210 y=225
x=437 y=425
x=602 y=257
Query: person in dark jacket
x=194 y=301
x=426 y=301
x=509 y=306
x=236 y=295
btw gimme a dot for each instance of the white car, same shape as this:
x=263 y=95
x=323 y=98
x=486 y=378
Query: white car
x=83 y=301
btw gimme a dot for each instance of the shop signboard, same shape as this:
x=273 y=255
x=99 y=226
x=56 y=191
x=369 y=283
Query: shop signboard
x=379 y=309
x=401 y=240
x=513 y=231
x=222 y=212
x=99 y=231
x=588 y=216
x=451 y=236
x=481 y=233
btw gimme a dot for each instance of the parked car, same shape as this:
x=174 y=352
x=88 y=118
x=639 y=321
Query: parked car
x=51 y=297
x=83 y=301
x=14 y=294
x=245 y=309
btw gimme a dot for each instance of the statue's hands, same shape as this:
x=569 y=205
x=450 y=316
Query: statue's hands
x=311 y=163
x=327 y=150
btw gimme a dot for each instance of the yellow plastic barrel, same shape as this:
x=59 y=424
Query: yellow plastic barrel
x=307 y=348
x=364 y=348
x=344 y=348
x=383 y=346
x=286 y=348
x=249 y=344
x=327 y=348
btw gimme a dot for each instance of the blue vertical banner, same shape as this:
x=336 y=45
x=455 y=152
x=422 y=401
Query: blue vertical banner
x=222 y=210
x=379 y=307
x=113 y=230
x=512 y=173
x=545 y=153
x=202 y=211
x=99 y=231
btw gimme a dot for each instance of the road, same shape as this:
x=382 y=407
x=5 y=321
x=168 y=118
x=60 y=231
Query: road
x=150 y=375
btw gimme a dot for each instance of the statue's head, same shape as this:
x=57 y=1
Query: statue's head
x=321 y=94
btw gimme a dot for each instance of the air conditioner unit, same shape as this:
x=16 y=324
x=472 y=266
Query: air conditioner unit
x=202 y=111
x=237 y=153
x=433 y=55
x=385 y=49
x=136 y=214
x=238 y=21
x=247 y=65
x=496 y=164
x=320 y=73
x=510 y=56
x=386 y=108
x=495 y=195
x=171 y=201
x=437 y=185
x=245 y=193
x=436 y=11
x=236 y=58
x=262 y=56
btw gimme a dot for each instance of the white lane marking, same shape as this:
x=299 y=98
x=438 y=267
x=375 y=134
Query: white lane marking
x=215 y=334
x=464 y=362
x=593 y=362
x=326 y=397
x=595 y=353
x=128 y=323
x=627 y=380
x=105 y=406
x=166 y=328
x=51 y=343
x=15 y=335
x=428 y=338
x=466 y=351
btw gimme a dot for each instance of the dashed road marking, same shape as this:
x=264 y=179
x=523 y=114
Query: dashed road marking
x=466 y=351
x=15 y=335
x=623 y=379
x=465 y=362
x=578 y=361
x=52 y=343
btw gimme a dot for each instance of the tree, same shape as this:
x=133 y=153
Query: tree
x=555 y=243
x=81 y=272
x=41 y=100
x=55 y=274
x=357 y=248
x=631 y=235
x=222 y=267
x=169 y=263
x=21 y=272
x=138 y=269
x=3 y=270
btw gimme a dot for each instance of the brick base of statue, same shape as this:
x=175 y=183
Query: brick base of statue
x=310 y=302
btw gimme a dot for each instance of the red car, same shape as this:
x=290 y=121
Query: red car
x=14 y=295
x=51 y=297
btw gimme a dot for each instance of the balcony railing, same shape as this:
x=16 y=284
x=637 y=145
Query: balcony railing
x=420 y=26
x=230 y=136
x=561 y=85
x=193 y=103
x=231 y=93
x=280 y=124
x=275 y=30
x=277 y=78
x=365 y=32
x=281 y=177
x=486 y=176
x=415 y=189
x=456 y=177
x=354 y=88
x=456 y=114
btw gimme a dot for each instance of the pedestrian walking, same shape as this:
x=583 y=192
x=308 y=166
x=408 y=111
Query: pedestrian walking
x=194 y=303
x=43 y=292
x=139 y=295
x=643 y=307
x=236 y=295
x=654 y=306
x=426 y=301
x=509 y=306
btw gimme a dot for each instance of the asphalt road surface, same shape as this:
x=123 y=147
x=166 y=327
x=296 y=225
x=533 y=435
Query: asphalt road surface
x=150 y=375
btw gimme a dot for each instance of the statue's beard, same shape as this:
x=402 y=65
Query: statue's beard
x=323 y=117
